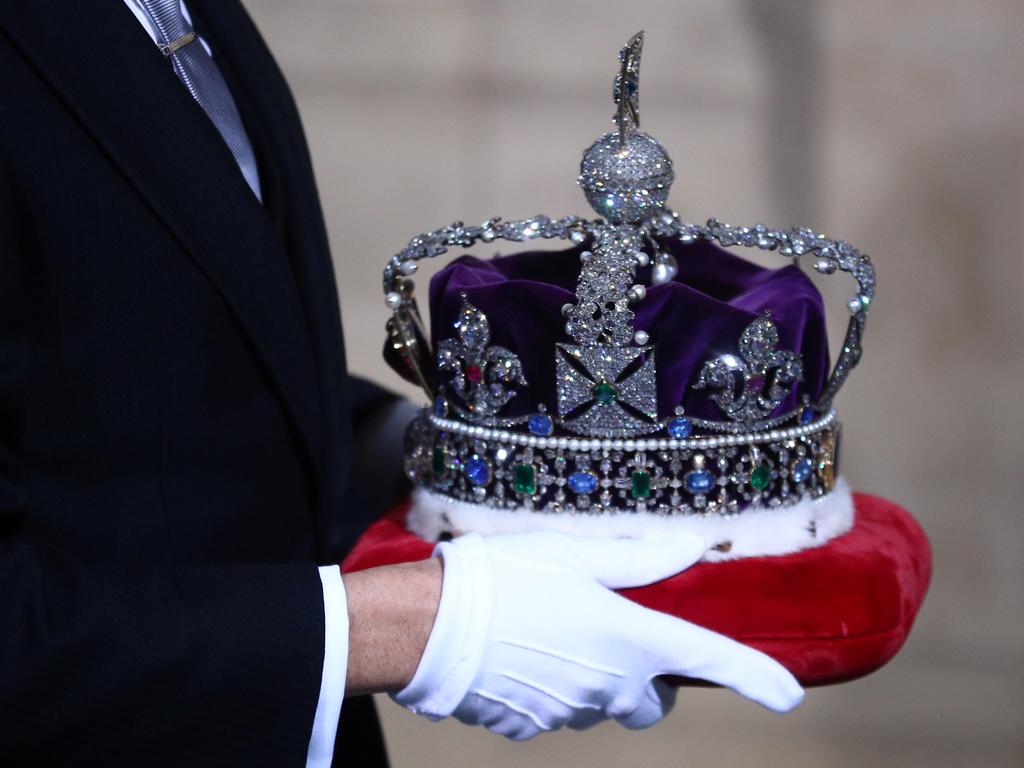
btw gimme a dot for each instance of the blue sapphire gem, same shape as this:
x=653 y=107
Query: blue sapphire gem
x=478 y=471
x=540 y=424
x=802 y=469
x=680 y=428
x=807 y=415
x=583 y=482
x=699 y=481
x=440 y=407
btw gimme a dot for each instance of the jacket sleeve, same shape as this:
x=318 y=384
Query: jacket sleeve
x=157 y=666
x=379 y=422
x=368 y=399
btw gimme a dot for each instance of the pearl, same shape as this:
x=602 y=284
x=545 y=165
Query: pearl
x=642 y=259
x=641 y=337
x=393 y=299
x=665 y=270
x=636 y=293
x=854 y=305
x=825 y=266
x=408 y=267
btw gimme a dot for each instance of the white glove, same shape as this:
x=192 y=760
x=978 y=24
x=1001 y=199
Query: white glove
x=529 y=637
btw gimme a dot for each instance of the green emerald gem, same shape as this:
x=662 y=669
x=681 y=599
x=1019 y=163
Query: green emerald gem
x=440 y=461
x=641 y=484
x=524 y=479
x=604 y=392
x=760 y=478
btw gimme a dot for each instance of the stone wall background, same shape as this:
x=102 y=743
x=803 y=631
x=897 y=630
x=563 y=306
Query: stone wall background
x=898 y=125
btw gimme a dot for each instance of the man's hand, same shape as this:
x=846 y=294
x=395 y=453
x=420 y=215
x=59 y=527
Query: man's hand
x=529 y=637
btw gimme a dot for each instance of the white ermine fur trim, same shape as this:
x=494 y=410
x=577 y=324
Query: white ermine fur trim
x=756 y=532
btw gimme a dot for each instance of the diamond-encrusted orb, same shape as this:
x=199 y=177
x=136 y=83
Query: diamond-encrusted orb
x=626 y=182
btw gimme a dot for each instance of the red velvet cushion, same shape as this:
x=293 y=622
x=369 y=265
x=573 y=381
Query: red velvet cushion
x=828 y=614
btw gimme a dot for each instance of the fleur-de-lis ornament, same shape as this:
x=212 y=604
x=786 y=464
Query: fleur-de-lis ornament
x=750 y=387
x=483 y=376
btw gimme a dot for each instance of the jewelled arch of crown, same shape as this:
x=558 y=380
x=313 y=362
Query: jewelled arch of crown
x=604 y=447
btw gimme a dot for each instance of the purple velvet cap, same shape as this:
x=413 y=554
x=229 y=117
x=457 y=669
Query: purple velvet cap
x=696 y=317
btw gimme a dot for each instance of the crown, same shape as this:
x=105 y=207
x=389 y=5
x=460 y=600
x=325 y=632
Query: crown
x=570 y=416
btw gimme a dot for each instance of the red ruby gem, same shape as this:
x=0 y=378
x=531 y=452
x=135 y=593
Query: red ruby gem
x=473 y=373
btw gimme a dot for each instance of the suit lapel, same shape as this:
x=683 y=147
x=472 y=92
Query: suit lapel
x=242 y=52
x=103 y=66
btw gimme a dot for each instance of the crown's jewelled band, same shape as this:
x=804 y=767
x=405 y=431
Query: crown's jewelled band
x=719 y=475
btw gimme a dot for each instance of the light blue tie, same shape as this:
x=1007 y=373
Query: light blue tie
x=200 y=75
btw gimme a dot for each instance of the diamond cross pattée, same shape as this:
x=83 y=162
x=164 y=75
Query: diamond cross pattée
x=606 y=391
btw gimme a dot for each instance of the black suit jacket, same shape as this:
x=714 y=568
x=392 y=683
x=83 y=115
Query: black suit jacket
x=175 y=415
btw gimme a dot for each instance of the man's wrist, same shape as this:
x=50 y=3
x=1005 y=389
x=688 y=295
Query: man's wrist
x=391 y=613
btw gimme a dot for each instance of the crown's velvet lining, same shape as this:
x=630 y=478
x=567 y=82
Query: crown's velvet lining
x=828 y=614
x=696 y=317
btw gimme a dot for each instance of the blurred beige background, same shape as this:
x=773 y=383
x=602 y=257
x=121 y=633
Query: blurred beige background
x=897 y=124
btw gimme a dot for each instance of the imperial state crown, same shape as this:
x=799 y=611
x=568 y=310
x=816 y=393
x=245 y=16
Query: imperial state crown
x=645 y=378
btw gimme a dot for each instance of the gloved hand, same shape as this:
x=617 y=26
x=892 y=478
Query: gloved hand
x=529 y=637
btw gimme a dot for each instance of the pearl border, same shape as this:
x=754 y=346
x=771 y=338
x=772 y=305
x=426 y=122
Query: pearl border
x=643 y=444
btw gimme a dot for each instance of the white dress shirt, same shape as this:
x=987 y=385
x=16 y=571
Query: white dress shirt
x=332 y=682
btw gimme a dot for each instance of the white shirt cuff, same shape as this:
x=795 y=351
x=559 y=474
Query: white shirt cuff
x=332 y=682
